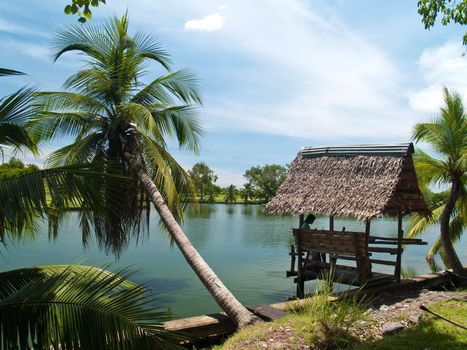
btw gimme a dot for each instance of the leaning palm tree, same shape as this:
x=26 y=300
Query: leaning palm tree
x=114 y=116
x=458 y=222
x=447 y=136
x=59 y=307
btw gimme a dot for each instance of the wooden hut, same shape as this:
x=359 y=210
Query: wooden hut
x=361 y=181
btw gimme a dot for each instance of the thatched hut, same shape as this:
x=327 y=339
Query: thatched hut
x=362 y=181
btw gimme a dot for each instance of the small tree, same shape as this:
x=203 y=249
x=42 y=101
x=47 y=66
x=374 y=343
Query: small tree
x=266 y=180
x=203 y=178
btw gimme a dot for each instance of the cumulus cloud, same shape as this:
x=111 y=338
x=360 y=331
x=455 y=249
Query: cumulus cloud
x=439 y=66
x=206 y=24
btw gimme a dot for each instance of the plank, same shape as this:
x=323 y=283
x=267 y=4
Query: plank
x=267 y=313
x=391 y=251
x=383 y=262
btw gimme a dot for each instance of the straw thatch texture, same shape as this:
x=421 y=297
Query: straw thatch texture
x=362 y=186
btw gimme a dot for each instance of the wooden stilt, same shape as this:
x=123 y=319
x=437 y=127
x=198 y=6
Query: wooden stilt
x=400 y=234
x=300 y=279
x=367 y=240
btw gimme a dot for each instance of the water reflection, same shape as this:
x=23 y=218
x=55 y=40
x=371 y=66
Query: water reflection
x=246 y=248
x=247 y=210
x=230 y=209
x=204 y=211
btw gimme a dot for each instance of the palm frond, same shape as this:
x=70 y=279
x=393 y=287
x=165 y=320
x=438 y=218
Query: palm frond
x=68 y=307
x=15 y=112
x=181 y=122
x=429 y=170
x=31 y=196
x=7 y=72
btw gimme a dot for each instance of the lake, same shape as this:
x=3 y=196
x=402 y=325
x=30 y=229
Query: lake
x=248 y=250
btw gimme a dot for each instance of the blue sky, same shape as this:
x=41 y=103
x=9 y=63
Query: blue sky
x=276 y=75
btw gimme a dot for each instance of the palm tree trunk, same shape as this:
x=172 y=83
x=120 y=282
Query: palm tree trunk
x=449 y=250
x=224 y=298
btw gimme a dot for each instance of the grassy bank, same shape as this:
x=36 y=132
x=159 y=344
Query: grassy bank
x=324 y=324
x=432 y=332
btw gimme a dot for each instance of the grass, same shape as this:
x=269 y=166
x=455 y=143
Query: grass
x=432 y=333
x=319 y=320
x=322 y=322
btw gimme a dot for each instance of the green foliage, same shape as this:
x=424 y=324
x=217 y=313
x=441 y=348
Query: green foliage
x=418 y=224
x=203 y=178
x=247 y=192
x=15 y=111
x=230 y=194
x=50 y=192
x=60 y=306
x=447 y=137
x=108 y=110
x=15 y=167
x=82 y=8
x=448 y=10
x=266 y=180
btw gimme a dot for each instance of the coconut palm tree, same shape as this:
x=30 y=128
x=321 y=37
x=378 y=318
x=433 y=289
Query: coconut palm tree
x=247 y=192
x=52 y=307
x=230 y=194
x=114 y=116
x=447 y=136
x=436 y=203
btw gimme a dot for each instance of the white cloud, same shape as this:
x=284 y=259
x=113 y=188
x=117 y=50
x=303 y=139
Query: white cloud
x=440 y=66
x=13 y=28
x=206 y=24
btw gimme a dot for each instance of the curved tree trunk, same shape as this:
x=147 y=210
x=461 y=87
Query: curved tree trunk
x=224 y=298
x=449 y=250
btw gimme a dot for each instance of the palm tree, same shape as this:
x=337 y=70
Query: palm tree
x=436 y=203
x=447 y=136
x=114 y=116
x=247 y=192
x=14 y=113
x=230 y=194
x=56 y=307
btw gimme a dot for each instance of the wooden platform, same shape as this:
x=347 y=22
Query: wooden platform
x=348 y=275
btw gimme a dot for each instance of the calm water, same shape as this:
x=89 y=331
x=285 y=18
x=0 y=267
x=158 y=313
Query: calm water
x=248 y=250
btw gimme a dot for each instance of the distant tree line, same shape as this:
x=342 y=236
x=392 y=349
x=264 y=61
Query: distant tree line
x=261 y=184
x=14 y=168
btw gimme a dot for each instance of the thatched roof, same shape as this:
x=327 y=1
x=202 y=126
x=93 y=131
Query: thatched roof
x=361 y=181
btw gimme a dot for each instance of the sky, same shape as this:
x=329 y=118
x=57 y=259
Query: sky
x=275 y=75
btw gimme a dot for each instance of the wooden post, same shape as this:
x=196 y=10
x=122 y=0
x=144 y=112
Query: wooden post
x=332 y=261
x=300 y=280
x=400 y=234
x=367 y=241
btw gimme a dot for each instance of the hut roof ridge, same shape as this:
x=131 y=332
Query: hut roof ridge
x=397 y=149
